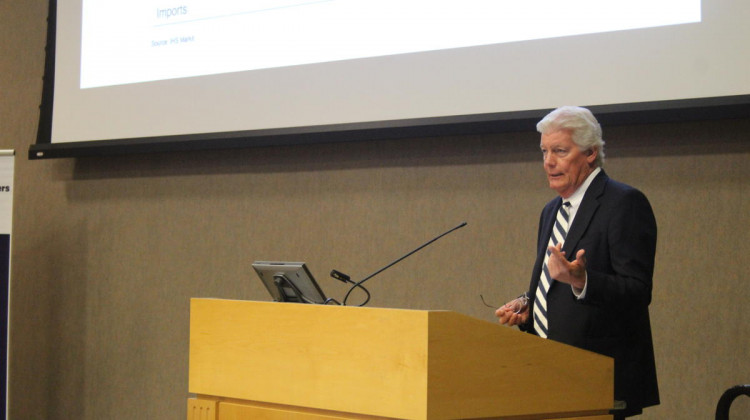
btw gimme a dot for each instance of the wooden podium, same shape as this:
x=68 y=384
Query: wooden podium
x=269 y=360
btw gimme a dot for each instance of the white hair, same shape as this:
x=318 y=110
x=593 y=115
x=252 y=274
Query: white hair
x=585 y=130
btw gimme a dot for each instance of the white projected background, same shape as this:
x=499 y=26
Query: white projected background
x=150 y=69
x=219 y=36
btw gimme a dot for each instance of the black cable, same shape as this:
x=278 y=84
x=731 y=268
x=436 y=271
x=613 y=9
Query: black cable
x=359 y=283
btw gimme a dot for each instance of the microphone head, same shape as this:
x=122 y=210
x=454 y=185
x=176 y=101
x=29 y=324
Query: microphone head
x=340 y=276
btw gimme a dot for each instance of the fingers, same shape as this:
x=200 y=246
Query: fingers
x=507 y=315
x=557 y=255
x=523 y=316
x=581 y=257
x=517 y=318
x=557 y=264
x=503 y=314
x=557 y=251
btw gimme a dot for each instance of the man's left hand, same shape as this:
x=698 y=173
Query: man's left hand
x=560 y=269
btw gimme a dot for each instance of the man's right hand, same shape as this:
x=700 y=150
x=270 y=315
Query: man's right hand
x=514 y=312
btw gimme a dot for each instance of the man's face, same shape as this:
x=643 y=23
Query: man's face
x=565 y=164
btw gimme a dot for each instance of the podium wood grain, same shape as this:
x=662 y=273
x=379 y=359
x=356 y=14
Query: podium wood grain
x=385 y=363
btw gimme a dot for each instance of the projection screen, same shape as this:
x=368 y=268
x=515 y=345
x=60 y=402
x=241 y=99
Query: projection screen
x=155 y=75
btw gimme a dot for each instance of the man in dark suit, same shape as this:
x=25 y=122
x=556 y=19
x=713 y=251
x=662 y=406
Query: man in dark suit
x=592 y=280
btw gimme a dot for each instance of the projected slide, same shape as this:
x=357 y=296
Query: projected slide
x=146 y=40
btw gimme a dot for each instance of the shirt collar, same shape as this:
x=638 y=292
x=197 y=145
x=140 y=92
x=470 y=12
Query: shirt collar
x=576 y=198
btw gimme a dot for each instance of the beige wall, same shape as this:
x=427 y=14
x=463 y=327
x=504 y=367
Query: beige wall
x=108 y=251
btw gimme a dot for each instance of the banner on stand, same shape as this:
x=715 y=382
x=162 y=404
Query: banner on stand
x=7 y=161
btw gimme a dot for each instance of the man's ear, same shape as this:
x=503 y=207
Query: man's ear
x=591 y=155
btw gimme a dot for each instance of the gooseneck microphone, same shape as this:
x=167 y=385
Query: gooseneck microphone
x=343 y=277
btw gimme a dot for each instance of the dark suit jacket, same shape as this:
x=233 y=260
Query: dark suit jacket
x=616 y=227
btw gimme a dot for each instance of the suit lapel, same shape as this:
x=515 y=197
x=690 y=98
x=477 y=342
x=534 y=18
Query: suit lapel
x=585 y=213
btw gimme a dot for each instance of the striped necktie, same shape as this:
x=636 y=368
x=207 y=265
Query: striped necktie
x=559 y=231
